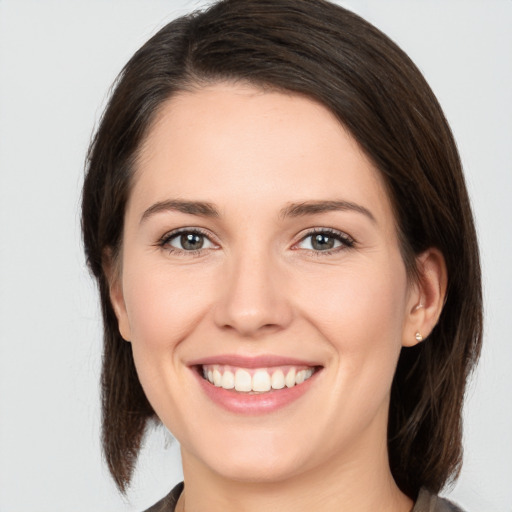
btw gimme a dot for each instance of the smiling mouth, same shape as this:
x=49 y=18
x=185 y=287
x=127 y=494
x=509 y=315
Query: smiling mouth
x=256 y=380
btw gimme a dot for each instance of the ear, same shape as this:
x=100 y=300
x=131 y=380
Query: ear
x=113 y=273
x=427 y=297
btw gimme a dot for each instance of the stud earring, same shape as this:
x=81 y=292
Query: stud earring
x=418 y=336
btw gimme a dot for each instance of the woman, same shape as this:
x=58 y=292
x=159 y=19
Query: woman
x=276 y=215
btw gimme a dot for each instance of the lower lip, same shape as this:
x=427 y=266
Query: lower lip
x=261 y=403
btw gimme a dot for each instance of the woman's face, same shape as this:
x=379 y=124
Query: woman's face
x=259 y=251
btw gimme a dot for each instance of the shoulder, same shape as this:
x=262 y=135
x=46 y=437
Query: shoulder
x=429 y=502
x=168 y=504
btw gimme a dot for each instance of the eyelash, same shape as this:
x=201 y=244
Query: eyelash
x=166 y=239
x=346 y=241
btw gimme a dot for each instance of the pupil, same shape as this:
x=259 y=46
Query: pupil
x=322 y=242
x=191 y=241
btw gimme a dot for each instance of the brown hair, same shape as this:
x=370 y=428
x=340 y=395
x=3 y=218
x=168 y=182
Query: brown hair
x=321 y=50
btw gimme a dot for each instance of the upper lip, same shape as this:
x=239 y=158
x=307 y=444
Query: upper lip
x=261 y=361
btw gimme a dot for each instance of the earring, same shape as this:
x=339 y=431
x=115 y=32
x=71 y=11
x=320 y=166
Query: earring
x=418 y=336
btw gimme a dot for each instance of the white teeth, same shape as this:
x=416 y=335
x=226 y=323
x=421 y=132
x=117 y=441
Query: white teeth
x=228 y=380
x=290 y=378
x=243 y=381
x=262 y=380
x=299 y=377
x=217 y=377
x=278 y=380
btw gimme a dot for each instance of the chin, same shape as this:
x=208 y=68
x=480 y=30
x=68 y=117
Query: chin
x=269 y=471
x=249 y=456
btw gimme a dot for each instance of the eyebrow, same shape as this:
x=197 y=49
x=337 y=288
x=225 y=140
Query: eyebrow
x=199 y=208
x=302 y=209
x=316 y=207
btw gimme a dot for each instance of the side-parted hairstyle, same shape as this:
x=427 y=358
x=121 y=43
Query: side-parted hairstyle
x=327 y=53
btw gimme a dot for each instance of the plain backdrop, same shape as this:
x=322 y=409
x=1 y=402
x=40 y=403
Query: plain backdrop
x=57 y=61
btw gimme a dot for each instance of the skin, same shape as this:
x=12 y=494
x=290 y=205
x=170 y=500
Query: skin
x=258 y=286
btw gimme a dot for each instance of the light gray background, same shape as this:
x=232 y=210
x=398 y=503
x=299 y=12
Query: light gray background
x=57 y=60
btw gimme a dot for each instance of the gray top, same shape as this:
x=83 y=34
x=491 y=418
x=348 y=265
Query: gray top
x=426 y=502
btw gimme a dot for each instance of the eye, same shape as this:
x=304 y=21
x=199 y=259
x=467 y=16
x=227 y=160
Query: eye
x=325 y=240
x=187 y=241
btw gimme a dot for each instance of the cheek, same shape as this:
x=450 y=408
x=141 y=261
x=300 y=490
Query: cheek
x=359 y=297
x=360 y=312
x=163 y=306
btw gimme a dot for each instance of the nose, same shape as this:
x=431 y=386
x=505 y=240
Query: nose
x=254 y=298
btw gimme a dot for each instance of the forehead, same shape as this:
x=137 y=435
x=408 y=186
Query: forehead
x=232 y=141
